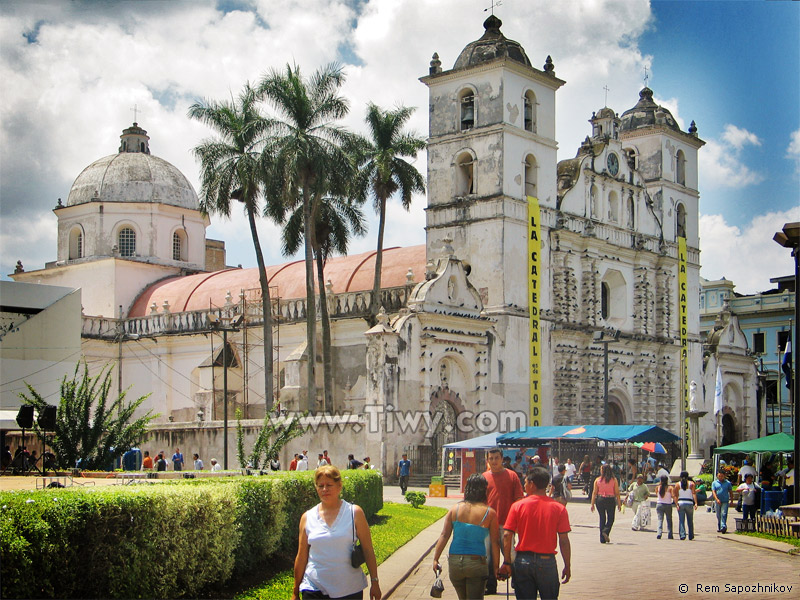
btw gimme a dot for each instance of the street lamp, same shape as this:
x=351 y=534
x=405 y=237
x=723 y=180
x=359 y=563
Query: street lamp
x=599 y=337
x=790 y=238
x=218 y=324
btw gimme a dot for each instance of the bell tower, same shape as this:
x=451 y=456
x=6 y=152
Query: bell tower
x=491 y=144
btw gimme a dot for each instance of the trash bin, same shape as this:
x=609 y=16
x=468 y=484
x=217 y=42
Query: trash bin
x=771 y=500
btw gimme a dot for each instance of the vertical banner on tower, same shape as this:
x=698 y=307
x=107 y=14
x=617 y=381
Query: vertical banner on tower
x=534 y=267
x=683 y=325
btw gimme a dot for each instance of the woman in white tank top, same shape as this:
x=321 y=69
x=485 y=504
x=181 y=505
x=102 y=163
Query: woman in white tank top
x=322 y=566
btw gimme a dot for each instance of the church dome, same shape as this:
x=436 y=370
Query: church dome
x=492 y=44
x=646 y=114
x=605 y=113
x=133 y=175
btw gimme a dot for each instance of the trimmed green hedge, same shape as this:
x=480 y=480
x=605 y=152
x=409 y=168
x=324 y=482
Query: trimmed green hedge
x=167 y=540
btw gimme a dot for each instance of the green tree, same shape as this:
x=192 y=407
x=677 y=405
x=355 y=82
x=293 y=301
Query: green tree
x=337 y=219
x=274 y=434
x=383 y=171
x=90 y=426
x=233 y=167
x=306 y=145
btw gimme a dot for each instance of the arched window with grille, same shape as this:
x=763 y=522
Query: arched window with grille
x=179 y=245
x=126 y=241
x=76 y=243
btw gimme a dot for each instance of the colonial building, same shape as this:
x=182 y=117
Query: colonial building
x=449 y=357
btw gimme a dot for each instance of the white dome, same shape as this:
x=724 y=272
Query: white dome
x=133 y=175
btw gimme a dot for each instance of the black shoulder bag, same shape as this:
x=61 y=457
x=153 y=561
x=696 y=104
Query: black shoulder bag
x=357 y=553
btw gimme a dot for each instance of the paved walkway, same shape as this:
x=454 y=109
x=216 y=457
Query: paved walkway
x=634 y=565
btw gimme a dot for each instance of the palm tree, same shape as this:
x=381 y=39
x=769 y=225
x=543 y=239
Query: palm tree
x=337 y=219
x=383 y=172
x=305 y=145
x=233 y=167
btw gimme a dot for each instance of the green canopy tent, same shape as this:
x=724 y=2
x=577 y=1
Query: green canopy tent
x=777 y=442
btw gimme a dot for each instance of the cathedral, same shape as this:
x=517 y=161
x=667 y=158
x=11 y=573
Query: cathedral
x=449 y=357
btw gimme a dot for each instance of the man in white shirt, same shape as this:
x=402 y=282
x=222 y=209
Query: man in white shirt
x=747 y=469
x=302 y=461
x=662 y=472
x=570 y=469
x=215 y=466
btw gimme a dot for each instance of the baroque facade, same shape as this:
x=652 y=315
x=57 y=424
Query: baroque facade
x=448 y=359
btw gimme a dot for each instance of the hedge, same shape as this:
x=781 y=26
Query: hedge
x=166 y=540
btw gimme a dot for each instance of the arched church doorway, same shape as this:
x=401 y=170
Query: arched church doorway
x=615 y=414
x=728 y=430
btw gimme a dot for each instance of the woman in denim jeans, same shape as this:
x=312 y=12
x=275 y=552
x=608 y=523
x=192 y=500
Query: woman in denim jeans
x=665 y=499
x=470 y=522
x=687 y=504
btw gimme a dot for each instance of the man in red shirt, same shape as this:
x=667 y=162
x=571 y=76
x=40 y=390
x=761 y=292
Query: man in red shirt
x=538 y=521
x=293 y=464
x=503 y=490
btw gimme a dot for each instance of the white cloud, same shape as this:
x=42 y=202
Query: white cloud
x=793 y=151
x=747 y=256
x=739 y=138
x=720 y=161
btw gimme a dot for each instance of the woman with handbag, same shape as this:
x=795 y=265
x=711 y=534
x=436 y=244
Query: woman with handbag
x=470 y=522
x=328 y=533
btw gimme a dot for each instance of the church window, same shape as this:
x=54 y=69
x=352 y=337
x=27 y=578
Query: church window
x=530 y=176
x=127 y=242
x=680 y=221
x=76 y=243
x=613 y=298
x=179 y=246
x=613 y=207
x=467 y=110
x=630 y=155
x=465 y=174
x=759 y=347
x=680 y=168
x=631 y=213
x=530 y=111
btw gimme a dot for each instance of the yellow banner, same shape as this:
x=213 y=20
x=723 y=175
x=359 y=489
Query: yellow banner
x=683 y=324
x=534 y=267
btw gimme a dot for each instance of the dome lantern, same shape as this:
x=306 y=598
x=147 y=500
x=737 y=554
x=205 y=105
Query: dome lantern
x=134 y=139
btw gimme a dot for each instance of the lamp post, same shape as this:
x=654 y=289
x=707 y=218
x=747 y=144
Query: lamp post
x=789 y=237
x=599 y=337
x=218 y=324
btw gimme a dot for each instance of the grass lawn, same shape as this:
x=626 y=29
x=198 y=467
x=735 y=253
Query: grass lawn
x=769 y=536
x=393 y=526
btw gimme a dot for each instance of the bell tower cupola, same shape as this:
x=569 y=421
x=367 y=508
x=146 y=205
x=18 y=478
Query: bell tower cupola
x=134 y=139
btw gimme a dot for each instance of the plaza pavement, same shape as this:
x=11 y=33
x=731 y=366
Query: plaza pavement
x=635 y=565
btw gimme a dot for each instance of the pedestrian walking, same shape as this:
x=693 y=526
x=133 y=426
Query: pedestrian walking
x=665 y=500
x=748 y=491
x=328 y=531
x=605 y=495
x=198 y=464
x=539 y=522
x=638 y=494
x=403 y=473
x=721 y=490
x=586 y=473
x=687 y=504
x=502 y=491
x=471 y=523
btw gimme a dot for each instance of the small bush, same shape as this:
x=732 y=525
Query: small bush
x=417 y=499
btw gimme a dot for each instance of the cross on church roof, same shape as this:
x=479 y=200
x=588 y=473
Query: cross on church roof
x=135 y=110
x=605 y=87
x=494 y=3
x=646 y=76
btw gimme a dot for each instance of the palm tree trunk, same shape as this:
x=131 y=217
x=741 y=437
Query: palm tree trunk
x=266 y=307
x=375 y=305
x=327 y=363
x=311 y=313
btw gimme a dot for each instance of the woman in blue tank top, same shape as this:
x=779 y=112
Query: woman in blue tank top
x=470 y=522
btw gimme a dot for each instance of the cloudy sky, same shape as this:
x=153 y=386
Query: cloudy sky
x=71 y=73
